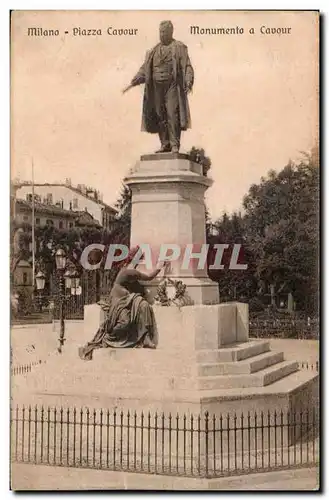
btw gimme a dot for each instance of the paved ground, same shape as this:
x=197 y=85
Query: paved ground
x=40 y=477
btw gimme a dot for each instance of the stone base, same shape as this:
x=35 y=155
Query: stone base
x=191 y=328
x=25 y=477
x=204 y=362
x=168 y=382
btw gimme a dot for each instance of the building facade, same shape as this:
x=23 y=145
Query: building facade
x=78 y=198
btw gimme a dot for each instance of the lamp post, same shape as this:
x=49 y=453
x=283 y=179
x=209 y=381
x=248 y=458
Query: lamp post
x=68 y=279
x=60 y=258
x=40 y=281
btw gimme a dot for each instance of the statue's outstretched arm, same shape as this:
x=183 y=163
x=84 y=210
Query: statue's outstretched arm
x=139 y=78
x=150 y=276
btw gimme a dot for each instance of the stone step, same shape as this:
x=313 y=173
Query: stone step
x=251 y=365
x=281 y=370
x=234 y=352
x=259 y=379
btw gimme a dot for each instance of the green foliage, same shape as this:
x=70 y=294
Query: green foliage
x=123 y=218
x=199 y=156
x=279 y=231
x=233 y=284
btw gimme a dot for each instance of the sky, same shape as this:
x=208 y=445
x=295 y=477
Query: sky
x=254 y=104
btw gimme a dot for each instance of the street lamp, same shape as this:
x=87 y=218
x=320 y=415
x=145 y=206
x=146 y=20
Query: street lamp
x=40 y=281
x=68 y=278
x=60 y=259
x=75 y=282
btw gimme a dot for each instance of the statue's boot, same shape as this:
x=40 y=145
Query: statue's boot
x=174 y=149
x=165 y=148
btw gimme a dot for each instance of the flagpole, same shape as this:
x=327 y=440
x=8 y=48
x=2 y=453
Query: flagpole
x=33 y=228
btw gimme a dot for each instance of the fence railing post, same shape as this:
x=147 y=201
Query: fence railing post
x=206 y=434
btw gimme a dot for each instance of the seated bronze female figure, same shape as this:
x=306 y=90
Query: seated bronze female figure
x=130 y=319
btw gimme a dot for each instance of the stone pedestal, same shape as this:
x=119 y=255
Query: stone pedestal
x=204 y=361
x=168 y=209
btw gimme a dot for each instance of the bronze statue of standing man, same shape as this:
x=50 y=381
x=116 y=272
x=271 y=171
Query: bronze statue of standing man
x=168 y=77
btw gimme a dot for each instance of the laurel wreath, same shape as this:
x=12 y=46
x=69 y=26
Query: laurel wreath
x=180 y=297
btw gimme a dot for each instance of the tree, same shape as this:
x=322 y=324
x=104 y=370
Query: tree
x=279 y=236
x=122 y=223
x=281 y=227
x=234 y=284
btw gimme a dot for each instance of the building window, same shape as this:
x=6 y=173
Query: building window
x=25 y=217
x=49 y=222
x=37 y=221
x=71 y=224
x=75 y=203
x=24 y=278
x=60 y=224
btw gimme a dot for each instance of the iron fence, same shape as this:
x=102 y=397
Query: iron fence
x=306 y=365
x=284 y=328
x=48 y=309
x=188 y=445
x=25 y=368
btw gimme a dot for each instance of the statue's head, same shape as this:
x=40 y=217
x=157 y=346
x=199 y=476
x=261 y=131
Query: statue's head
x=166 y=30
